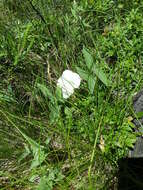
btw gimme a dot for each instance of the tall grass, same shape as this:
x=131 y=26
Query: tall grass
x=47 y=142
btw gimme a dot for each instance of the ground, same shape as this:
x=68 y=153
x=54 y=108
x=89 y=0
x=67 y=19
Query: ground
x=48 y=142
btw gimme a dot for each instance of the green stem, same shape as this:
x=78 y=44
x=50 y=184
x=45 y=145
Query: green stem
x=94 y=148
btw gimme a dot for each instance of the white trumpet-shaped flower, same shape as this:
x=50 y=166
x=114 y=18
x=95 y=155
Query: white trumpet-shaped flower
x=68 y=82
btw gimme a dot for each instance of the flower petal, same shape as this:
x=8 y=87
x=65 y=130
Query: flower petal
x=73 y=78
x=67 y=82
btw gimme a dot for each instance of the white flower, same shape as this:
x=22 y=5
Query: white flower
x=68 y=82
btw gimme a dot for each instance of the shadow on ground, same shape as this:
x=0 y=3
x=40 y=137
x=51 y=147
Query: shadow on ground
x=130 y=174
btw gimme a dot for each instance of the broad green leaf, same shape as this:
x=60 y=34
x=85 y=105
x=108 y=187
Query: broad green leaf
x=91 y=83
x=101 y=75
x=39 y=157
x=83 y=74
x=37 y=150
x=34 y=144
x=58 y=94
x=88 y=58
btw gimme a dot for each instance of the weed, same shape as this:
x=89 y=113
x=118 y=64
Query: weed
x=47 y=142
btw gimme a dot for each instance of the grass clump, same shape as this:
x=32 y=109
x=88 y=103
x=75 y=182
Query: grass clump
x=47 y=142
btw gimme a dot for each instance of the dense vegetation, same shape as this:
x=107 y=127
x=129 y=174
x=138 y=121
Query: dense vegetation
x=47 y=142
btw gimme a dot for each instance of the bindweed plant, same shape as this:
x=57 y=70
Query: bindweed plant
x=92 y=72
x=57 y=138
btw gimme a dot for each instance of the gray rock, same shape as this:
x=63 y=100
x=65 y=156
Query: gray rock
x=137 y=151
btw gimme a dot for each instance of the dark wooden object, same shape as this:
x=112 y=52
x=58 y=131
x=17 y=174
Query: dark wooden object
x=130 y=176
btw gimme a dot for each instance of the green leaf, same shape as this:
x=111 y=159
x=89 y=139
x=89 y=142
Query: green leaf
x=88 y=58
x=39 y=157
x=45 y=91
x=54 y=112
x=131 y=140
x=45 y=184
x=23 y=44
x=3 y=54
x=25 y=35
x=58 y=94
x=37 y=150
x=139 y=115
x=25 y=154
x=83 y=74
x=48 y=140
x=6 y=98
x=101 y=75
x=91 y=83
